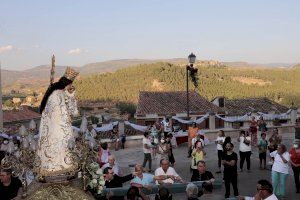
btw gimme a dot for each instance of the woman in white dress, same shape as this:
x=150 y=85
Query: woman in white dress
x=57 y=107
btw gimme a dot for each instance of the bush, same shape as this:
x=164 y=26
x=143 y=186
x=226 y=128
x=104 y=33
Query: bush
x=126 y=107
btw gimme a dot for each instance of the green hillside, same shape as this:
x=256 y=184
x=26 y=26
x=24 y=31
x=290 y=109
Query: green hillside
x=281 y=85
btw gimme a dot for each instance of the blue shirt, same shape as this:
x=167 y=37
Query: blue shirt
x=146 y=180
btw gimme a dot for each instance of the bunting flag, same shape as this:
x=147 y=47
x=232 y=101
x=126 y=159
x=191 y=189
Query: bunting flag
x=106 y=127
x=275 y=116
x=137 y=127
x=197 y=121
x=182 y=120
x=202 y=119
x=9 y=137
x=245 y=117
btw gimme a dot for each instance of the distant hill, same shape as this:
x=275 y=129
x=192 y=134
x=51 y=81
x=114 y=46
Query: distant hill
x=296 y=66
x=30 y=80
x=257 y=65
x=37 y=78
x=280 y=85
x=43 y=71
x=113 y=65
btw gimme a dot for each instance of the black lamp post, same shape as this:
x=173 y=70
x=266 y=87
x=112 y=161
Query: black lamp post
x=189 y=67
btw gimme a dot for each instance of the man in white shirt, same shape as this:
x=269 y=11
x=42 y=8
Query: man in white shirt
x=264 y=191
x=170 y=172
x=147 y=150
x=144 y=179
x=112 y=164
x=167 y=124
x=245 y=149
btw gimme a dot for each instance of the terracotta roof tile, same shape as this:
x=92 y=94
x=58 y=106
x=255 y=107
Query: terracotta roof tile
x=24 y=113
x=165 y=103
x=240 y=107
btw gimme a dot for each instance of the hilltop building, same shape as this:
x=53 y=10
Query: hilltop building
x=261 y=106
x=21 y=116
x=224 y=113
x=153 y=105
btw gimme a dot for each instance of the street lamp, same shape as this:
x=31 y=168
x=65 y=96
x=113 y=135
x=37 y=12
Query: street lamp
x=193 y=72
x=192 y=59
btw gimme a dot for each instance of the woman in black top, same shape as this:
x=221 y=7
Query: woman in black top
x=229 y=160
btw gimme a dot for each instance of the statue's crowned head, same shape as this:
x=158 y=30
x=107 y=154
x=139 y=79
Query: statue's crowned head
x=62 y=83
x=70 y=74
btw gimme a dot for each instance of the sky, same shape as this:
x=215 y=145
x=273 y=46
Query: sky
x=86 y=31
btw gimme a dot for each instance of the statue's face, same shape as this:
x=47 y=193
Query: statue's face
x=70 y=88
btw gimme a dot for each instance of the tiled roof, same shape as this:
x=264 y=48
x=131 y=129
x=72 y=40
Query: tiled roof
x=23 y=114
x=240 y=107
x=166 y=103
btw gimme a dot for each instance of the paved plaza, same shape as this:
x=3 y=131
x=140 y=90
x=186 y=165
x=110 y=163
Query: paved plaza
x=246 y=180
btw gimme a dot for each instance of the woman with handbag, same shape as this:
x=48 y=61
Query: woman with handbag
x=197 y=155
x=161 y=151
x=245 y=149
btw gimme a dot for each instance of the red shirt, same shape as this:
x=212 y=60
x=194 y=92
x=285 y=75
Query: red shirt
x=295 y=155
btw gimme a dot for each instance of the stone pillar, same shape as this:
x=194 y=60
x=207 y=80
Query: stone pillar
x=293 y=116
x=212 y=121
x=121 y=128
x=295 y=122
x=227 y=125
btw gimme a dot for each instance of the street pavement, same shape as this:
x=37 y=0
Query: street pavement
x=246 y=180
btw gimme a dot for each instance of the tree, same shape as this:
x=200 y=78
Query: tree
x=9 y=103
x=126 y=107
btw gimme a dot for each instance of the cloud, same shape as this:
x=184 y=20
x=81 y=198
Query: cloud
x=75 y=51
x=6 y=48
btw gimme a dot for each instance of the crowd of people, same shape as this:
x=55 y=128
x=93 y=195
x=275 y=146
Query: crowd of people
x=271 y=152
x=158 y=144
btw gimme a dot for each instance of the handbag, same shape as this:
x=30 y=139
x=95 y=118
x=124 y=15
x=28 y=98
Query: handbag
x=246 y=141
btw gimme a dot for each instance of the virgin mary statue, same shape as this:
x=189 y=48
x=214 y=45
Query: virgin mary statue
x=57 y=108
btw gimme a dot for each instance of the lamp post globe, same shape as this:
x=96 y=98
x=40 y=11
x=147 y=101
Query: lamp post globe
x=192 y=58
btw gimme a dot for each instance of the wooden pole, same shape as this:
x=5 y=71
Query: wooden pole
x=52 y=73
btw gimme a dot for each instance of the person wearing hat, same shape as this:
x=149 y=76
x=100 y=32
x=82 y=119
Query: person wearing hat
x=57 y=107
x=10 y=187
